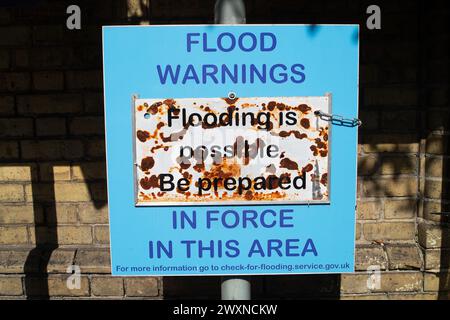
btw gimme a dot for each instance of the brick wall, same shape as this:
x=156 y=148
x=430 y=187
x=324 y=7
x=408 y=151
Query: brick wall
x=53 y=209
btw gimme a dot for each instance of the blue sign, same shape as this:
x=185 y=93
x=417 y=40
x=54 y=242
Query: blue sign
x=166 y=220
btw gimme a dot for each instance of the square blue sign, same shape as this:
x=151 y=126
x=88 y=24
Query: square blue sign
x=209 y=61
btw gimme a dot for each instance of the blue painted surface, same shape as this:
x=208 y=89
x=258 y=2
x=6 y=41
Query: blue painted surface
x=330 y=57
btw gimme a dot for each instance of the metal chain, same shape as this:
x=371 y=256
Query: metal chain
x=338 y=120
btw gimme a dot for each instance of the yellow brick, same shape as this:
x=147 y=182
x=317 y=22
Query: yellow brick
x=46 y=235
x=399 y=165
x=432 y=236
x=434 y=167
x=354 y=283
x=11 y=286
x=94 y=260
x=437 y=281
x=413 y=296
x=399 y=187
x=389 y=231
x=71 y=192
x=400 y=209
x=74 y=235
x=93 y=213
x=378 y=296
x=15 y=172
x=40 y=192
x=368 y=165
x=13 y=260
x=401 y=281
x=434 y=257
x=101 y=234
x=403 y=257
x=13 y=235
x=20 y=214
x=141 y=287
x=431 y=208
x=54 y=172
x=89 y=171
x=369 y=255
x=358 y=231
x=60 y=259
x=368 y=210
x=107 y=286
x=11 y=192
x=433 y=188
x=65 y=213
x=436 y=144
x=390 y=143
x=57 y=286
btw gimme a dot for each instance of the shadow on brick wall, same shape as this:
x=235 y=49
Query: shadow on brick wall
x=91 y=158
x=45 y=239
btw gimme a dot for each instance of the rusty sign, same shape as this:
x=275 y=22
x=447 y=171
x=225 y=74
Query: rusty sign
x=255 y=150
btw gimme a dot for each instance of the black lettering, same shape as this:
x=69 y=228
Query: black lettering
x=166 y=178
x=172 y=114
x=272 y=151
x=303 y=182
x=183 y=185
x=291 y=118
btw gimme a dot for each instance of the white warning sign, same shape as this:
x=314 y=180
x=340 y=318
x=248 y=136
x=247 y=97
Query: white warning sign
x=231 y=151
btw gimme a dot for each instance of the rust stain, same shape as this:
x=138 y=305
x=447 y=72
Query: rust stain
x=170 y=102
x=230 y=101
x=159 y=146
x=304 y=108
x=324 y=179
x=323 y=132
x=223 y=170
x=296 y=133
x=309 y=167
x=147 y=183
x=288 y=164
x=305 y=123
x=147 y=163
x=314 y=150
x=142 y=135
x=199 y=167
x=323 y=153
x=154 y=108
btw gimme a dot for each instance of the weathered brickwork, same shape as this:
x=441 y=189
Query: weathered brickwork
x=53 y=204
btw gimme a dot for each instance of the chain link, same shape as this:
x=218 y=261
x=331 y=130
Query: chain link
x=338 y=120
